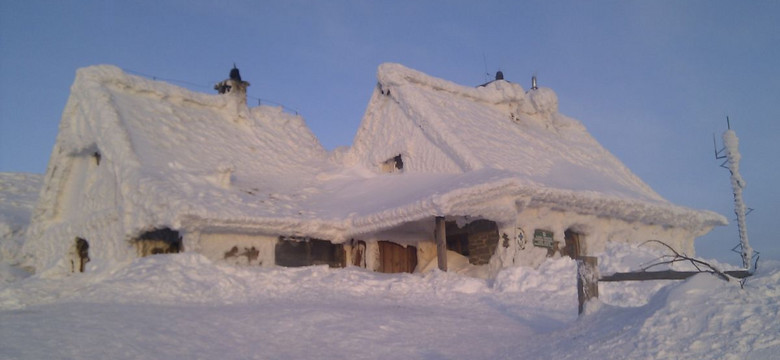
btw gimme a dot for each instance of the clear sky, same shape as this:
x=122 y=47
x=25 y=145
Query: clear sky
x=651 y=80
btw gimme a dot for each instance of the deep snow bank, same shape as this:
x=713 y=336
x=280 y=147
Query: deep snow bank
x=198 y=307
x=699 y=318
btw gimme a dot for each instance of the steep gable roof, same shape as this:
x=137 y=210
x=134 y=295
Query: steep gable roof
x=180 y=155
x=517 y=140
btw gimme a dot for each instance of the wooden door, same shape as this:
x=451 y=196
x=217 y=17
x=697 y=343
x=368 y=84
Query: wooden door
x=394 y=258
x=359 y=253
x=572 y=248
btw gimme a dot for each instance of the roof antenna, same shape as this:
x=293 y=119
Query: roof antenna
x=487 y=74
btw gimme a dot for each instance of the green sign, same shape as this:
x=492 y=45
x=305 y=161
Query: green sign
x=543 y=238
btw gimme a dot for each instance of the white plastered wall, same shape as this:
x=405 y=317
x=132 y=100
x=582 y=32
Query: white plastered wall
x=517 y=247
x=216 y=245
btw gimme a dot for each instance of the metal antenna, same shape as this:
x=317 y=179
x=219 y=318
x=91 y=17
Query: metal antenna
x=730 y=145
x=487 y=74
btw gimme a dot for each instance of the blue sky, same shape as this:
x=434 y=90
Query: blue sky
x=651 y=80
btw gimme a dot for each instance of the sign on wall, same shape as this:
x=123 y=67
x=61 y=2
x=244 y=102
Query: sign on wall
x=543 y=238
x=520 y=237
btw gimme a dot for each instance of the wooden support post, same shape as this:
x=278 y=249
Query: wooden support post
x=587 y=280
x=667 y=275
x=440 y=233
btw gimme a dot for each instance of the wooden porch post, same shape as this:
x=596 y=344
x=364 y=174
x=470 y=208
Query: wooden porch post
x=587 y=280
x=441 y=242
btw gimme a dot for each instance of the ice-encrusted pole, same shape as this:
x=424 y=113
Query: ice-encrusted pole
x=731 y=144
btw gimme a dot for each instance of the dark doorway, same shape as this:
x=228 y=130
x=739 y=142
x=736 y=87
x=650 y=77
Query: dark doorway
x=359 y=253
x=458 y=243
x=572 y=247
x=476 y=240
x=159 y=241
x=394 y=258
x=297 y=252
x=82 y=252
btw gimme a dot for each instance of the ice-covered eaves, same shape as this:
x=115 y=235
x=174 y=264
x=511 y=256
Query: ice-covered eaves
x=355 y=207
x=499 y=195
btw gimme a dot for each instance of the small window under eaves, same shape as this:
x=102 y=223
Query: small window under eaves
x=394 y=164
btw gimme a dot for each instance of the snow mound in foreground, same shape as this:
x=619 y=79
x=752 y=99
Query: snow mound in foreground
x=228 y=312
x=703 y=317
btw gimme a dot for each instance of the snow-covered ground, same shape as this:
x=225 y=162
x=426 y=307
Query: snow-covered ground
x=183 y=306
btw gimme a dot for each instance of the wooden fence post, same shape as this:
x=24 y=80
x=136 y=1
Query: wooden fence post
x=441 y=242
x=587 y=280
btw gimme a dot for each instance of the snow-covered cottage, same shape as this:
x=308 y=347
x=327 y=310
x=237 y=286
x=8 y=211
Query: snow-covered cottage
x=439 y=174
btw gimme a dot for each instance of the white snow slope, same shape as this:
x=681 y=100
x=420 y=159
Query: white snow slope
x=183 y=306
x=18 y=195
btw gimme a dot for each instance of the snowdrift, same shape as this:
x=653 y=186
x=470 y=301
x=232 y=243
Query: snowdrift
x=184 y=306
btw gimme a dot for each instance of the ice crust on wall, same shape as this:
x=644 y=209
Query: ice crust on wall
x=133 y=154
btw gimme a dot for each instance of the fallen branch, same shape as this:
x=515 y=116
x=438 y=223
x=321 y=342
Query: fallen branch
x=677 y=257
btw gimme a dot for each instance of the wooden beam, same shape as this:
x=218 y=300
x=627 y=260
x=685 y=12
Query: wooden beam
x=587 y=280
x=666 y=275
x=440 y=233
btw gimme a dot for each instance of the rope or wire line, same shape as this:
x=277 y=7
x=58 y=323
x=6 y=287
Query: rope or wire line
x=265 y=101
x=259 y=100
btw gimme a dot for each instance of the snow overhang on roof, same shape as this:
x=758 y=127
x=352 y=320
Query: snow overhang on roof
x=500 y=196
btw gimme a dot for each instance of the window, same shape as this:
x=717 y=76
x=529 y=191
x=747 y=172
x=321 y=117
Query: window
x=293 y=251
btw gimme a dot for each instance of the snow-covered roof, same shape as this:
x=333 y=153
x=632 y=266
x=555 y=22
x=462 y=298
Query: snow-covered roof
x=183 y=156
x=208 y=162
x=500 y=143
